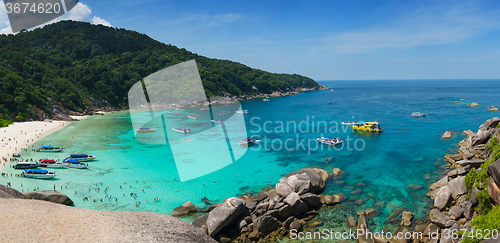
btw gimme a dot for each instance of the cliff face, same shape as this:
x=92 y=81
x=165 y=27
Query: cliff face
x=25 y=220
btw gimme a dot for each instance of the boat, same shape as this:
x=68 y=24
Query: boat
x=25 y=165
x=217 y=121
x=174 y=112
x=81 y=157
x=328 y=103
x=349 y=123
x=38 y=174
x=247 y=141
x=71 y=163
x=193 y=117
x=416 y=114
x=16 y=155
x=332 y=90
x=266 y=99
x=49 y=149
x=367 y=127
x=178 y=109
x=182 y=130
x=49 y=163
x=224 y=113
x=242 y=112
x=204 y=109
x=146 y=129
x=330 y=140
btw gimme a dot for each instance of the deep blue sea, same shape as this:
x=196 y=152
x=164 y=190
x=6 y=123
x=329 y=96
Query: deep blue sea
x=383 y=170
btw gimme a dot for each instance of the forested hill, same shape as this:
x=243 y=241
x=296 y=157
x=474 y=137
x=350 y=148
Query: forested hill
x=75 y=65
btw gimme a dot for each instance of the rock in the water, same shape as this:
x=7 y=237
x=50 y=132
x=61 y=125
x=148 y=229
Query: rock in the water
x=224 y=214
x=438 y=218
x=296 y=225
x=266 y=224
x=7 y=192
x=372 y=212
x=50 y=196
x=443 y=197
x=332 y=199
x=312 y=200
x=337 y=172
x=494 y=191
x=447 y=134
x=406 y=218
x=474 y=104
x=457 y=187
x=351 y=222
x=493 y=108
x=494 y=171
x=302 y=181
x=185 y=209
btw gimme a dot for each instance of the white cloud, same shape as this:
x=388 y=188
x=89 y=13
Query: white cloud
x=96 y=20
x=433 y=25
x=80 y=12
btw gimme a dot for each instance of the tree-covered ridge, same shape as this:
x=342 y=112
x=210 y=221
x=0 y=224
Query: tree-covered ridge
x=76 y=65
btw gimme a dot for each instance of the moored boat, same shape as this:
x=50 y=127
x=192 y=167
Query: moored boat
x=224 y=113
x=416 y=114
x=204 y=109
x=193 y=117
x=71 y=163
x=174 y=112
x=146 y=129
x=38 y=174
x=217 y=121
x=330 y=140
x=367 y=127
x=242 y=112
x=49 y=149
x=182 y=130
x=49 y=163
x=25 y=165
x=266 y=100
x=81 y=157
x=247 y=141
x=349 y=123
x=328 y=103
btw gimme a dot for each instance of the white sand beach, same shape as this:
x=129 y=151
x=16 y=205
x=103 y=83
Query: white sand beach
x=22 y=134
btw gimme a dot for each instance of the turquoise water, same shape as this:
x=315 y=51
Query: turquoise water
x=128 y=172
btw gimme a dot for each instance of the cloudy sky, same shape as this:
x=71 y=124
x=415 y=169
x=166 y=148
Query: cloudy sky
x=325 y=40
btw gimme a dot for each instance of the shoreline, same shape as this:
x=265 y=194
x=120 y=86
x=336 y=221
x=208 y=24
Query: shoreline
x=20 y=135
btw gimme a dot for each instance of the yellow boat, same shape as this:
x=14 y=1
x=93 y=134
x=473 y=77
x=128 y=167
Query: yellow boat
x=367 y=127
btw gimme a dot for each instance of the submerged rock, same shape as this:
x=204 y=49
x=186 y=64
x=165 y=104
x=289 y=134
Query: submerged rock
x=447 y=134
x=492 y=108
x=474 y=104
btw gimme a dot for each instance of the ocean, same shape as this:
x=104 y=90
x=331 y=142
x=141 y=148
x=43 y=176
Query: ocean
x=386 y=171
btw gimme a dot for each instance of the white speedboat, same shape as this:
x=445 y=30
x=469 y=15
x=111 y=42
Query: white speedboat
x=182 y=130
x=49 y=163
x=71 y=163
x=242 y=112
x=38 y=174
x=49 y=149
x=248 y=141
x=349 y=123
x=204 y=109
x=193 y=117
x=416 y=114
x=217 y=121
x=266 y=100
x=146 y=129
x=81 y=157
x=330 y=140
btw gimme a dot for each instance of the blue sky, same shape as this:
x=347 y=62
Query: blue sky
x=325 y=40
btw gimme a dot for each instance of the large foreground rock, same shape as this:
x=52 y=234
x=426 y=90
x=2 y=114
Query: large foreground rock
x=50 y=196
x=494 y=171
x=50 y=222
x=7 y=192
x=302 y=181
x=224 y=214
